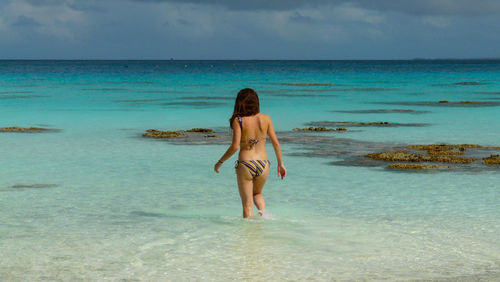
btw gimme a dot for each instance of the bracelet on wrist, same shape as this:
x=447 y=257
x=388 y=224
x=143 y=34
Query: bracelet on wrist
x=220 y=162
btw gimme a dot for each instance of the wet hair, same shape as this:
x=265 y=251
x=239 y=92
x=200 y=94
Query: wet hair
x=246 y=104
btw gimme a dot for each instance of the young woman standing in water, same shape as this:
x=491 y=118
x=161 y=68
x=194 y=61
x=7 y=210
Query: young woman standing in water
x=250 y=131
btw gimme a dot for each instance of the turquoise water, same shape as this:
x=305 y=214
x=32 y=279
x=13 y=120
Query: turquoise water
x=120 y=207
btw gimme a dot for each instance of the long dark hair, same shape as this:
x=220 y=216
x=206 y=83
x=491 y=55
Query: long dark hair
x=246 y=104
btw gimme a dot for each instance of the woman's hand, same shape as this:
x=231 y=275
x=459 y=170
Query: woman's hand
x=217 y=166
x=281 y=171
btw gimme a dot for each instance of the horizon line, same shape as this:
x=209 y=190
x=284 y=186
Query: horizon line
x=173 y=59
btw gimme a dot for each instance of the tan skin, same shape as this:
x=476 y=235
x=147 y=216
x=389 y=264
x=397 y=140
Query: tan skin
x=258 y=126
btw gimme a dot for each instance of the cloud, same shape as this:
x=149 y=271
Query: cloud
x=299 y=18
x=271 y=29
x=437 y=21
x=23 y=21
x=49 y=17
x=417 y=7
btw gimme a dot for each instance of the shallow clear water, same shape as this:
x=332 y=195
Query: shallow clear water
x=123 y=207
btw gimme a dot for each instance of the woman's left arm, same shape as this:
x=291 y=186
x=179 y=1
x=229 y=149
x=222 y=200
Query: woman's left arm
x=235 y=145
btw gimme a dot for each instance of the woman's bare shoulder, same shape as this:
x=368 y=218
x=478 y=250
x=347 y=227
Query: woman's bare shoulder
x=267 y=117
x=266 y=120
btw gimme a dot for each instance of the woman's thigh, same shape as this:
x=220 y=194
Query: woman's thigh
x=259 y=181
x=245 y=183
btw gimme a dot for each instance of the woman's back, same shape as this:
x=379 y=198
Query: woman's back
x=253 y=137
x=250 y=130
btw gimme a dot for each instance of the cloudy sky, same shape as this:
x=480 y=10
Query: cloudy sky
x=249 y=29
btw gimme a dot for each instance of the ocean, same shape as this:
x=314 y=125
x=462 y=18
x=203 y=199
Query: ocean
x=94 y=200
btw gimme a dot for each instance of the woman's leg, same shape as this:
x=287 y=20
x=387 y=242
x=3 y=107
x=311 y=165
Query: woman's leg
x=258 y=185
x=245 y=186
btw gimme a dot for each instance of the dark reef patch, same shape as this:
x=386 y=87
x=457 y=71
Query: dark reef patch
x=201 y=130
x=299 y=95
x=198 y=85
x=33 y=186
x=489 y=92
x=105 y=89
x=36 y=79
x=443 y=103
x=461 y=83
x=436 y=154
x=285 y=91
x=200 y=104
x=416 y=166
x=131 y=82
x=469 y=83
x=155 y=133
x=369 y=89
x=147 y=214
x=492 y=160
x=140 y=100
x=165 y=91
x=307 y=84
x=12 y=97
x=206 y=98
x=320 y=128
x=383 y=111
x=364 y=124
x=15 y=92
x=31 y=129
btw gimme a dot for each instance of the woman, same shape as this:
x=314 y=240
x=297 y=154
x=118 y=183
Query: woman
x=250 y=129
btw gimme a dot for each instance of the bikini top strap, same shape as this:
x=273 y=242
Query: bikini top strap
x=240 y=120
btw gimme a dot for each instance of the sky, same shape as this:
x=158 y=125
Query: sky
x=249 y=29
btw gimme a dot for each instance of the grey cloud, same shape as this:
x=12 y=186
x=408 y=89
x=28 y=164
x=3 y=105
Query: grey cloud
x=253 y=29
x=184 y=22
x=86 y=7
x=46 y=2
x=299 y=18
x=419 y=7
x=79 y=5
x=23 y=21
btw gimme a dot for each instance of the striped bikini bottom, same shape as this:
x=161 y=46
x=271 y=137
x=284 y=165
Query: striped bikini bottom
x=255 y=167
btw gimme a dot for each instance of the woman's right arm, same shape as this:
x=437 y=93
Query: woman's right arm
x=277 y=149
x=235 y=145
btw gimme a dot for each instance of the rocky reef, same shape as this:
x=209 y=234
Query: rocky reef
x=436 y=153
x=205 y=130
x=474 y=102
x=492 y=160
x=407 y=156
x=404 y=166
x=26 y=129
x=469 y=83
x=155 y=133
x=383 y=111
x=448 y=149
x=362 y=124
x=320 y=128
